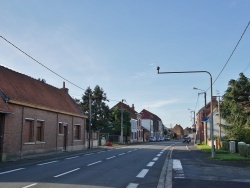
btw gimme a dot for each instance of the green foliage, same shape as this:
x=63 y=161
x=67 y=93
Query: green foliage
x=244 y=150
x=100 y=113
x=235 y=108
x=225 y=145
x=116 y=121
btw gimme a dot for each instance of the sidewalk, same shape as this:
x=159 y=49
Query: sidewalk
x=200 y=170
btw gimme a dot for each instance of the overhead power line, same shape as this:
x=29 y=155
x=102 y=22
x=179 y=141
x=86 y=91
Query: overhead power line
x=232 y=53
x=41 y=64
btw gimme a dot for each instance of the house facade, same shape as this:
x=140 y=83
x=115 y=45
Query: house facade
x=37 y=118
x=178 y=130
x=152 y=123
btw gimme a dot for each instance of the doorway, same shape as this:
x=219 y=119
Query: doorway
x=1 y=134
x=65 y=137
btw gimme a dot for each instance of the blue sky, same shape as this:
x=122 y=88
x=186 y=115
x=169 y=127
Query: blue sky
x=117 y=44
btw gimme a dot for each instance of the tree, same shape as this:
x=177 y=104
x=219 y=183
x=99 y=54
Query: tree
x=235 y=108
x=116 y=121
x=100 y=113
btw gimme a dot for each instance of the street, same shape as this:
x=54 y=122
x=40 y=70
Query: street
x=128 y=166
x=146 y=165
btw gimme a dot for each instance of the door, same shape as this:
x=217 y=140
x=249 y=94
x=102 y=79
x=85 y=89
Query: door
x=1 y=134
x=65 y=137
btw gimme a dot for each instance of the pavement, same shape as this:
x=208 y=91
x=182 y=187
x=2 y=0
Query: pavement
x=198 y=169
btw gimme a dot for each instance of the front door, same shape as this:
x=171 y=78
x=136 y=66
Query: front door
x=1 y=134
x=65 y=137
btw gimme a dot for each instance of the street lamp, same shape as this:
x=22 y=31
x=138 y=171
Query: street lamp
x=211 y=93
x=203 y=92
x=194 y=123
x=121 y=139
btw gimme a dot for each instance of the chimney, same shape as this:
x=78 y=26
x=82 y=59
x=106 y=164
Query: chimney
x=133 y=106
x=66 y=90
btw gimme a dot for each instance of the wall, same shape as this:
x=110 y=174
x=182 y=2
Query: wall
x=14 y=145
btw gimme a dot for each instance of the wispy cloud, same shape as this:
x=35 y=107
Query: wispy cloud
x=159 y=104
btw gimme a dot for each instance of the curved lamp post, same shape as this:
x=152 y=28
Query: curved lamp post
x=211 y=90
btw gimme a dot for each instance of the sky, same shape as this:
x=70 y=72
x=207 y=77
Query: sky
x=118 y=44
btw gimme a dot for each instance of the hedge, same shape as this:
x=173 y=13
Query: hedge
x=225 y=145
x=244 y=150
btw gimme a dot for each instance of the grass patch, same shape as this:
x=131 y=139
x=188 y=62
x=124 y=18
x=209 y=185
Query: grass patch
x=222 y=154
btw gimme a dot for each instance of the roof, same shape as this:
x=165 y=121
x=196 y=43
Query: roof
x=127 y=108
x=27 y=91
x=149 y=115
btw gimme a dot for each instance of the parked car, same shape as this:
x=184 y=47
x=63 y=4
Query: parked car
x=152 y=139
x=186 y=139
x=167 y=138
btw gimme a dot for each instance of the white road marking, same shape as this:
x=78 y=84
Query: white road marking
x=72 y=157
x=155 y=159
x=111 y=157
x=129 y=151
x=151 y=164
x=30 y=185
x=132 y=185
x=94 y=163
x=47 y=163
x=6 y=172
x=100 y=151
x=89 y=154
x=66 y=172
x=178 y=169
x=143 y=173
x=158 y=155
x=121 y=154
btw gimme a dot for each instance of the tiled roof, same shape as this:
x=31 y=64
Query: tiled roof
x=23 y=89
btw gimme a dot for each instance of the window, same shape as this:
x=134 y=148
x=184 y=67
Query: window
x=60 y=131
x=28 y=130
x=77 y=132
x=40 y=131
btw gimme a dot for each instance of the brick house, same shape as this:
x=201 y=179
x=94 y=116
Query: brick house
x=178 y=130
x=37 y=118
x=152 y=124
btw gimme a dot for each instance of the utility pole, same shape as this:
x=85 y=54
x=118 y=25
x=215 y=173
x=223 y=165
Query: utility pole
x=89 y=119
x=121 y=139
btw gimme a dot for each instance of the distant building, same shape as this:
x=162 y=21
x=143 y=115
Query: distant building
x=178 y=130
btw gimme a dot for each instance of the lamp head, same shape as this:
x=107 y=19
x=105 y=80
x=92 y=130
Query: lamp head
x=158 y=69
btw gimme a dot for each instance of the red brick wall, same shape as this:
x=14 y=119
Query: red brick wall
x=14 y=145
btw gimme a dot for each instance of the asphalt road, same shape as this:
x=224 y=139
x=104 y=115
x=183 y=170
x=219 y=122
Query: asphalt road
x=129 y=166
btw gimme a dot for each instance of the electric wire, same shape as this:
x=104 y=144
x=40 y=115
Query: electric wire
x=46 y=66
x=232 y=53
x=41 y=64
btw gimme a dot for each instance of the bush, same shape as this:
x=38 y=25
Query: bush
x=244 y=150
x=225 y=145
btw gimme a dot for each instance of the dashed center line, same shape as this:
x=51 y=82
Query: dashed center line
x=155 y=159
x=143 y=173
x=121 y=154
x=151 y=164
x=66 y=172
x=132 y=185
x=89 y=154
x=31 y=185
x=94 y=163
x=47 y=163
x=111 y=157
x=6 y=172
x=72 y=157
